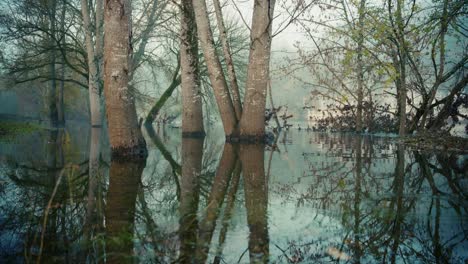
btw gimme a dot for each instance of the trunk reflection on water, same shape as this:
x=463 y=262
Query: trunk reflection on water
x=124 y=181
x=215 y=200
x=256 y=201
x=192 y=156
x=328 y=197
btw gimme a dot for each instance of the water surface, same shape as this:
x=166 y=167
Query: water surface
x=312 y=198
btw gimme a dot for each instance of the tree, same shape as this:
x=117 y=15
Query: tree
x=192 y=113
x=94 y=51
x=252 y=124
x=124 y=133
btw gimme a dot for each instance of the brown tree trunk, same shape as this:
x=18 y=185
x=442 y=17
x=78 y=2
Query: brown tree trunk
x=93 y=78
x=215 y=71
x=403 y=60
x=252 y=125
x=236 y=99
x=124 y=133
x=192 y=113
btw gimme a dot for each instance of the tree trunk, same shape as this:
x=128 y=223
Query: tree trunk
x=252 y=125
x=403 y=61
x=124 y=133
x=215 y=71
x=53 y=59
x=93 y=88
x=192 y=116
x=60 y=103
x=236 y=99
x=360 y=64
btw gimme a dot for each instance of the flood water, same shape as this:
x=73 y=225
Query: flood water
x=314 y=198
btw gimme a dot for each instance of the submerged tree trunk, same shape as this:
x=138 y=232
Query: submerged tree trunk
x=124 y=133
x=236 y=99
x=252 y=125
x=215 y=71
x=192 y=113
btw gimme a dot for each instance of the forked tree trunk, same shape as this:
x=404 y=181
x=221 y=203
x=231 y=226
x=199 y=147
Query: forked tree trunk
x=252 y=125
x=192 y=113
x=124 y=133
x=236 y=99
x=93 y=78
x=215 y=71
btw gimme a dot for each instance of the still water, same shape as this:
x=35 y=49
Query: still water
x=311 y=198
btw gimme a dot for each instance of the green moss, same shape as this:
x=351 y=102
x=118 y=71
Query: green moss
x=9 y=129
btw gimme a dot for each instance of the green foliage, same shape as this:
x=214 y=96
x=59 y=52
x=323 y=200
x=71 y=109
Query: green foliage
x=9 y=129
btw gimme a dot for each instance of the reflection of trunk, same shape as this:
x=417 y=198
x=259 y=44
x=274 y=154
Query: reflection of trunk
x=120 y=210
x=230 y=201
x=215 y=200
x=256 y=201
x=192 y=153
x=398 y=189
x=236 y=99
x=215 y=71
x=192 y=116
x=357 y=199
x=124 y=133
x=93 y=77
x=252 y=124
x=94 y=151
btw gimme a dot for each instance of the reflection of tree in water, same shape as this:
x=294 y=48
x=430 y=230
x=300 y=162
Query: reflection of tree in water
x=43 y=207
x=386 y=217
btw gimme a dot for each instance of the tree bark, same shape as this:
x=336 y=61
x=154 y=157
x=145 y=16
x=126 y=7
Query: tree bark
x=360 y=64
x=215 y=71
x=252 y=125
x=236 y=98
x=192 y=113
x=124 y=133
x=93 y=88
x=52 y=5
x=403 y=60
